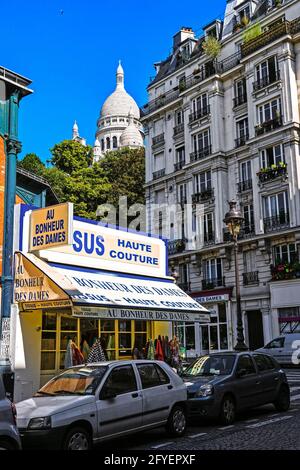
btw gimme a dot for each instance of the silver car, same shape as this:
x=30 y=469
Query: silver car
x=285 y=349
x=95 y=402
x=9 y=436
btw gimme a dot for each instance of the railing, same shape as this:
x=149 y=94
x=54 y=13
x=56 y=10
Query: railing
x=179 y=165
x=202 y=153
x=159 y=139
x=269 y=174
x=239 y=100
x=203 y=196
x=178 y=129
x=241 y=140
x=212 y=283
x=160 y=101
x=158 y=174
x=285 y=270
x=277 y=222
x=185 y=286
x=268 y=126
x=14 y=77
x=244 y=186
x=247 y=231
x=209 y=238
x=267 y=80
x=200 y=113
x=176 y=246
x=250 y=278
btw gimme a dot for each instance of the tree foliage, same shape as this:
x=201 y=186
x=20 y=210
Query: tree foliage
x=70 y=156
x=32 y=162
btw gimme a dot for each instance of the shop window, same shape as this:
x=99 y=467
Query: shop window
x=215 y=335
x=48 y=341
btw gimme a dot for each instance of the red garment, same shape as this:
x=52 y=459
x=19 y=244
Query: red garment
x=159 y=356
x=77 y=355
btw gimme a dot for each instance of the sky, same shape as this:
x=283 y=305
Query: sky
x=70 y=50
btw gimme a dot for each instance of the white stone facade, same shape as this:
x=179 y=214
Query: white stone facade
x=228 y=129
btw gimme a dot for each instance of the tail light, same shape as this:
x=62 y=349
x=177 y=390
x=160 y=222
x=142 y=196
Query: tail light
x=14 y=412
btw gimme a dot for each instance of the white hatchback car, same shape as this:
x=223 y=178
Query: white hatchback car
x=285 y=349
x=95 y=402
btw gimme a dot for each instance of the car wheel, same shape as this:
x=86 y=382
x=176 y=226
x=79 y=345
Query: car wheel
x=282 y=402
x=78 y=439
x=6 y=445
x=228 y=411
x=176 y=425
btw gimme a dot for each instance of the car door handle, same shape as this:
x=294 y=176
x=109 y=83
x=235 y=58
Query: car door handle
x=258 y=383
x=170 y=387
x=135 y=395
x=276 y=378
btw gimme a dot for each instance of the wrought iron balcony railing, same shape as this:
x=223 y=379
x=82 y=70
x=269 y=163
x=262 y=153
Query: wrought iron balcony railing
x=241 y=140
x=268 y=126
x=239 y=100
x=208 y=284
x=159 y=174
x=244 y=186
x=247 y=231
x=199 y=154
x=179 y=165
x=176 y=246
x=203 y=196
x=278 y=222
x=209 y=238
x=200 y=113
x=250 y=278
x=158 y=139
x=267 y=80
x=269 y=174
x=179 y=129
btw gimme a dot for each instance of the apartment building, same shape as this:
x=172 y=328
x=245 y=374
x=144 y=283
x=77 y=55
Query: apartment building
x=227 y=128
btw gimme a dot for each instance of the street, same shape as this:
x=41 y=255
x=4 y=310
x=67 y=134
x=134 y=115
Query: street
x=259 y=429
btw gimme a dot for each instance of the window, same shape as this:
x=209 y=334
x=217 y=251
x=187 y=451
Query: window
x=240 y=91
x=102 y=145
x=202 y=182
x=115 y=142
x=182 y=194
x=178 y=117
x=245 y=171
x=121 y=380
x=208 y=227
x=215 y=336
x=149 y=375
x=276 y=205
x=244 y=13
x=213 y=32
x=184 y=274
x=266 y=72
x=262 y=362
x=200 y=104
x=276 y=343
x=201 y=141
x=269 y=111
x=245 y=363
x=107 y=143
x=272 y=156
x=213 y=269
x=180 y=155
x=242 y=129
x=285 y=253
x=163 y=376
x=249 y=261
x=248 y=225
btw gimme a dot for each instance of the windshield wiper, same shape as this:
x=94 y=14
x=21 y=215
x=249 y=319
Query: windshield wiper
x=44 y=393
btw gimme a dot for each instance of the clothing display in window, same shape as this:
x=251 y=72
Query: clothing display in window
x=159 y=356
x=150 y=350
x=73 y=355
x=85 y=349
x=96 y=353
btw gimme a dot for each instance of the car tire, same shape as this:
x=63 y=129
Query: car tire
x=282 y=402
x=6 y=445
x=228 y=410
x=77 y=438
x=177 y=422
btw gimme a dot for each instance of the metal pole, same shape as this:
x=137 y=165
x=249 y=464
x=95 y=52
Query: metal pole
x=240 y=345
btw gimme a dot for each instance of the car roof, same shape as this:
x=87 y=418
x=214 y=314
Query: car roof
x=119 y=362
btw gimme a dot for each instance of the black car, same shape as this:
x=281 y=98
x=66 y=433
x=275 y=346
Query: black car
x=222 y=384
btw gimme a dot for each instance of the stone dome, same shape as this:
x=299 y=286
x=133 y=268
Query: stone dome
x=131 y=136
x=119 y=103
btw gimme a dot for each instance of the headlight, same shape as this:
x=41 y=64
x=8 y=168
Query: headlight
x=205 y=391
x=40 y=423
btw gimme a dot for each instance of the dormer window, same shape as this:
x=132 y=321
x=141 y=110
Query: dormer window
x=212 y=32
x=244 y=13
x=213 y=29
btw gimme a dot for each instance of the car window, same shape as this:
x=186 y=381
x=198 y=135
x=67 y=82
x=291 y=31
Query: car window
x=262 y=362
x=121 y=380
x=270 y=362
x=276 y=343
x=246 y=363
x=163 y=376
x=149 y=375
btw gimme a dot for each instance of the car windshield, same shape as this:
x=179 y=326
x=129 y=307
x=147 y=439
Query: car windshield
x=76 y=381
x=210 y=365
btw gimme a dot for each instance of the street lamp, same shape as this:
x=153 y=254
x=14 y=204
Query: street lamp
x=233 y=220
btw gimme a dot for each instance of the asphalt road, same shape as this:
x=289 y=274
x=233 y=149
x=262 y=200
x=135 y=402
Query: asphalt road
x=259 y=429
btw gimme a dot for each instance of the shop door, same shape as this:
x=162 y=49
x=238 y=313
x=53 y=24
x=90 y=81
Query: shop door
x=255 y=329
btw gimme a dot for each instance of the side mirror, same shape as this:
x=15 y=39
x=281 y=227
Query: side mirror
x=108 y=394
x=241 y=373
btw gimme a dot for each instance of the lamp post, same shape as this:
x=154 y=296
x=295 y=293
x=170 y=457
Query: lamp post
x=234 y=219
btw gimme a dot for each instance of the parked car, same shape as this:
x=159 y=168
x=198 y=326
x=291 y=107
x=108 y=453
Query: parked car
x=222 y=384
x=92 y=403
x=9 y=436
x=284 y=349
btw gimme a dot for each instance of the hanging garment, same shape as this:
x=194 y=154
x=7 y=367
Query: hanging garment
x=69 y=355
x=158 y=351
x=175 y=357
x=96 y=353
x=85 y=350
x=76 y=355
x=151 y=352
x=110 y=342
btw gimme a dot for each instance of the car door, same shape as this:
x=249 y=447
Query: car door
x=157 y=393
x=269 y=377
x=119 y=404
x=276 y=348
x=246 y=384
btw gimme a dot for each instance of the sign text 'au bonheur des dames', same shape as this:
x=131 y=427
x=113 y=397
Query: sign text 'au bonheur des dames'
x=99 y=247
x=51 y=226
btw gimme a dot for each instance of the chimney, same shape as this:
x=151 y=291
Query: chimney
x=184 y=33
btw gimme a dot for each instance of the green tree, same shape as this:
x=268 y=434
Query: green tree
x=32 y=162
x=58 y=181
x=70 y=156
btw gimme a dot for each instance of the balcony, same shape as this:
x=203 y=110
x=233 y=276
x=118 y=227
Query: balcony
x=158 y=140
x=241 y=140
x=158 y=174
x=244 y=186
x=239 y=100
x=199 y=154
x=176 y=246
x=285 y=271
x=160 y=101
x=179 y=165
x=200 y=113
x=203 y=196
x=250 y=279
x=213 y=283
x=278 y=222
x=209 y=238
x=179 y=129
x=267 y=80
x=273 y=172
x=268 y=126
x=247 y=231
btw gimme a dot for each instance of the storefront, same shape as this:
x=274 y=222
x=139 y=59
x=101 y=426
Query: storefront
x=285 y=306
x=106 y=283
x=202 y=337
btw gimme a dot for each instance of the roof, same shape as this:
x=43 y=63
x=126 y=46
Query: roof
x=26 y=178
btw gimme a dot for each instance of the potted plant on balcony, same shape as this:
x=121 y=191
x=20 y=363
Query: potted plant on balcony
x=278 y=3
x=196 y=72
x=179 y=246
x=245 y=21
x=237 y=27
x=212 y=47
x=182 y=86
